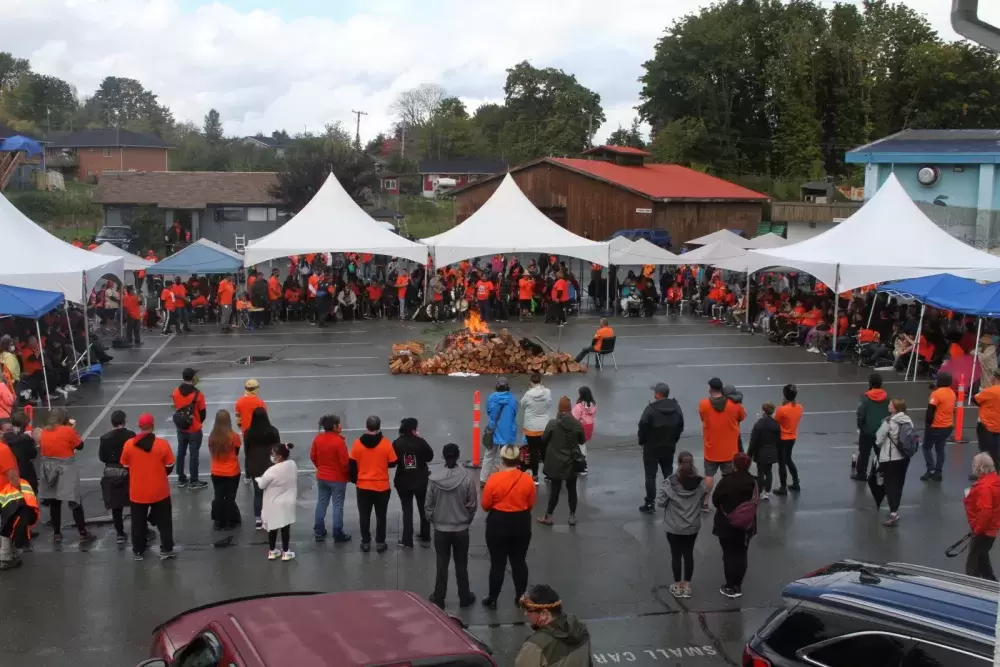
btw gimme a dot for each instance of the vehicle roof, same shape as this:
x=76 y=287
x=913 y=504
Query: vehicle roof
x=348 y=628
x=939 y=600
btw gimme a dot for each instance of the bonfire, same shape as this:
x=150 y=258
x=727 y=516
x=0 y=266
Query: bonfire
x=476 y=349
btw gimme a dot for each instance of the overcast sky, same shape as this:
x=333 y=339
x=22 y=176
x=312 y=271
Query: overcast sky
x=298 y=64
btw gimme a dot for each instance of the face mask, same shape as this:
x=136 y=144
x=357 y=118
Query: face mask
x=274 y=459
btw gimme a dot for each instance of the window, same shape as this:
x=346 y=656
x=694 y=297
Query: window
x=272 y=214
x=805 y=627
x=203 y=651
x=107 y=152
x=255 y=214
x=230 y=214
x=873 y=649
x=924 y=654
x=389 y=184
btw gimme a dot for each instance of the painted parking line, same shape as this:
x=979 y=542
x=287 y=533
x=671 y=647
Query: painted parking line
x=241 y=346
x=272 y=377
x=687 y=335
x=688 y=349
x=171 y=435
x=693 y=324
x=265 y=334
x=756 y=363
x=198 y=362
x=230 y=401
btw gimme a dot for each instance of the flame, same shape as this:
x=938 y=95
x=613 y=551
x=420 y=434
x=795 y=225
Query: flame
x=475 y=324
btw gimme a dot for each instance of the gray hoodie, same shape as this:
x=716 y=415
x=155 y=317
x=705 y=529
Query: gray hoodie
x=535 y=406
x=682 y=499
x=451 y=499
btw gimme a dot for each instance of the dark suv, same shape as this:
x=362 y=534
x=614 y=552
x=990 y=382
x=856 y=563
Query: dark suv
x=855 y=614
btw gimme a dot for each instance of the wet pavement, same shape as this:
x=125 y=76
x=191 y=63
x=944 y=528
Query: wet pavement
x=94 y=606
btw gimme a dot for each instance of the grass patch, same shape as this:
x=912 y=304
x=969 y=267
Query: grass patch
x=66 y=214
x=427 y=217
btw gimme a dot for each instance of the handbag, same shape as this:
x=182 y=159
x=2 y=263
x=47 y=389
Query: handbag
x=958 y=547
x=183 y=418
x=488 y=432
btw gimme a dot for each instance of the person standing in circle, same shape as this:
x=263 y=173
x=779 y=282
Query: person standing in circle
x=585 y=412
x=939 y=422
x=329 y=455
x=720 y=421
x=257 y=443
x=371 y=457
x=788 y=417
x=224 y=447
x=59 y=476
x=508 y=497
x=735 y=490
x=190 y=402
x=535 y=406
x=279 y=483
x=114 y=479
x=149 y=460
x=450 y=508
x=563 y=437
x=413 y=454
x=681 y=495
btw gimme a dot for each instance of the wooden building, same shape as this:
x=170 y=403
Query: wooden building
x=613 y=188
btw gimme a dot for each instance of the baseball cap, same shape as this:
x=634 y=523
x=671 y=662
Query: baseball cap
x=188 y=374
x=661 y=388
x=251 y=385
x=146 y=420
x=715 y=384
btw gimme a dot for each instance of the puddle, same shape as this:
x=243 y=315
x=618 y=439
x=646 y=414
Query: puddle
x=202 y=353
x=254 y=359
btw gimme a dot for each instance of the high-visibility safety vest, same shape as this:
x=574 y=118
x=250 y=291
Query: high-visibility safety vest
x=13 y=503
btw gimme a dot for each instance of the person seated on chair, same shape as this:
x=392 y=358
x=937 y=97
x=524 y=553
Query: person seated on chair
x=604 y=331
x=674 y=295
x=199 y=306
x=347 y=300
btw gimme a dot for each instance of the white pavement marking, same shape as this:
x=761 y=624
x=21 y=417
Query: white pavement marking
x=302 y=471
x=686 y=349
x=173 y=435
x=289 y=377
x=690 y=335
x=230 y=401
x=818 y=384
x=755 y=363
x=198 y=362
x=625 y=326
x=851 y=412
x=229 y=347
x=261 y=334
x=107 y=408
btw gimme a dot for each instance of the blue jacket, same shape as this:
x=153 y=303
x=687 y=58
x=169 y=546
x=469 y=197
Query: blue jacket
x=503 y=422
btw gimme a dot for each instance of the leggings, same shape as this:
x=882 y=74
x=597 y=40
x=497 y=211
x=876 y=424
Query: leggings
x=536 y=452
x=55 y=511
x=682 y=555
x=272 y=538
x=554 y=490
x=785 y=463
x=508 y=535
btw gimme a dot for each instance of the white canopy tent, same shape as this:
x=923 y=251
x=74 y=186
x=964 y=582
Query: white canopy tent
x=508 y=223
x=714 y=253
x=132 y=262
x=643 y=252
x=721 y=235
x=39 y=260
x=769 y=240
x=332 y=222
x=619 y=247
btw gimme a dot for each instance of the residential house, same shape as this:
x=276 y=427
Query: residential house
x=821 y=206
x=267 y=143
x=440 y=176
x=88 y=154
x=219 y=206
x=951 y=174
x=613 y=188
x=388 y=183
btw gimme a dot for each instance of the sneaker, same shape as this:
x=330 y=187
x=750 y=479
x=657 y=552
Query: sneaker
x=320 y=537
x=731 y=592
x=258 y=524
x=583 y=474
x=765 y=495
x=381 y=547
x=404 y=545
x=273 y=554
x=545 y=520
x=676 y=590
x=437 y=602
x=926 y=476
x=182 y=483
x=794 y=486
x=70 y=388
x=287 y=556
x=936 y=477
x=62 y=392
x=648 y=508
x=340 y=539
x=687 y=591
x=121 y=539
x=490 y=604
x=467 y=602
x=535 y=479
x=197 y=485
x=87 y=536
x=571 y=520
x=137 y=556
x=892 y=520
x=167 y=555
x=781 y=491
x=366 y=546
x=424 y=542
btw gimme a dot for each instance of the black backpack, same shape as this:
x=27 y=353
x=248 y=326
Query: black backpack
x=184 y=417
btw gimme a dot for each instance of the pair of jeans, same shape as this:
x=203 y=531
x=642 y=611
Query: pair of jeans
x=406 y=498
x=449 y=544
x=490 y=462
x=785 y=463
x=734 y=559
x=682 y=555
x=160 y=514
x=327 y=493
x=652 y=458
x=484 y=309
x=555 y=487
x=369 y=500
x=977 y=563
x=188 y=444
x=584 y=352
x=225 y=512
x=132 y=330
x=286 y=536
x=934 y=442
x=508 y=536
x=866 y=443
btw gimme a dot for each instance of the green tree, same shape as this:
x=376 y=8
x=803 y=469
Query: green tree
x=684 y=141
x=630 y=137
x=307 y=169
x=489 y=120
x=46 y=101
x=212 y=127
x=127 y=103
x=11 y=71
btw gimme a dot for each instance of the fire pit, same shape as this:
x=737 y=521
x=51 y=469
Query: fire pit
x=476 y=349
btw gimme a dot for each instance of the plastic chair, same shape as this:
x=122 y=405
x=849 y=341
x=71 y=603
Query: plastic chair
x=607 y=349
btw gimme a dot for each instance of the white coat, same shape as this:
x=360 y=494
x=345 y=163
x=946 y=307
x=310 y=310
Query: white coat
x=279 y=483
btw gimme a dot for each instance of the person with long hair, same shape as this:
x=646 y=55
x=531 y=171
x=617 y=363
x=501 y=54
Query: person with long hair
x=410 y=481
x=59 y=478
x=681 y=495
x=892 y=462
x=585 y=412
x=224 y=447
x=563 y=459
x=788 y=417
x=279 y=483
x=763 y=450
x=258 y=440
x=732 y=491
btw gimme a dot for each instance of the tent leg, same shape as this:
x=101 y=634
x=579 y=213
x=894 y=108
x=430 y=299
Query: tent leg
x=86 y=328
x=836 y=306
x=72 y=344
x=749 y=330
x=872 y=313
x=915 y=352
x=45 y=373
x=607 y=293
x=975 y=362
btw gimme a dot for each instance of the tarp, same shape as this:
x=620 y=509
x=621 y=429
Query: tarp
x=972 y=299
x=19 y=143
x=332 y=222
x=619 y=247
x=201 y=257
x=24 y=302
x=721 y=235
x=642 y=252
x=716 y=253
x=928 y=289
x=508 y=223
x=889 y=238
x=38 y=260
x=132 y=262
x=769 y=240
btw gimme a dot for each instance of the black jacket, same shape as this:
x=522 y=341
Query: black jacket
x=112 y=443
x=732 y=490
x=257 y=449
x=413 y=454
x=661 y=424
x=22 y=446
x=764 y=441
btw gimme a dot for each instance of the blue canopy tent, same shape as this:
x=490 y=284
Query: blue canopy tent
x=31 y=303
x=201 y=257
x=19 y=143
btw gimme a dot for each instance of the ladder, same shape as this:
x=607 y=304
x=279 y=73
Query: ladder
x=241 y=242
x=8 y=163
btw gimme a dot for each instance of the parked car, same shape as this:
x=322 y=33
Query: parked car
x=856 y=614
x=119 y=235
x=359 y=628
x=660 y=237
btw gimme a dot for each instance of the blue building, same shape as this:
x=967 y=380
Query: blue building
x=952 y=175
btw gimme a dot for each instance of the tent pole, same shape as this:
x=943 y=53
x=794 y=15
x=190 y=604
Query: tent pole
x=915 y=352
x=72 y=344
x=86 y=318
x=747 y=302
x=607 y=293
x=975 y=361
x=836 y=306
x=872 y=313
x=45 y=373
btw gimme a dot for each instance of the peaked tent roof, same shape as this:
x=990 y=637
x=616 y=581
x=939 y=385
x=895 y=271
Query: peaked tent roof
x=644 y=252
x=619 y=247
x=889 y=238
x=769 y=240
x=509 y=223
x=132 y=262
x=720 y=235
x=332 y=222
x=202 y=256
x=24 y=302
x=927 y=287
x=45 y=262
x=715 y=252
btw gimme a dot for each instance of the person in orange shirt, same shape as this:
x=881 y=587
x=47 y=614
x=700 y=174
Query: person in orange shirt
x=59 y=474
x=77 y=243
x=247 y=403
x=508 y=497
x=373 y=290
x=525 y=289
x=190 y=408
x=720 y=423
x=168 y=301
x=133 y=316
x=484 y=290
x=329 y=455
x=370 y=459
x=402 y=282
x=225 y=295
x=312 y=291
x=224 y=447
x=603 y=331
x=988 y=425
x=181 y=303
x=788 y=417
x=274 y=295
x=149 y=460
x=560 y=296
x=939 y=421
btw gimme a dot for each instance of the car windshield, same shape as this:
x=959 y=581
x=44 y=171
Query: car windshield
x=116 y=232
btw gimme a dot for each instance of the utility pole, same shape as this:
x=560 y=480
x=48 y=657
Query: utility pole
x=590 y=130
x=357 y=135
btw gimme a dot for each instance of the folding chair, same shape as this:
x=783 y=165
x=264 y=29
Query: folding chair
x=607 y=349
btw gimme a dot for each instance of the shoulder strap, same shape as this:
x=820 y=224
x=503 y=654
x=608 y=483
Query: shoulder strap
x=516 y=480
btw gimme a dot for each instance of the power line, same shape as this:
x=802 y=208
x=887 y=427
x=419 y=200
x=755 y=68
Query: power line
x=357 y=135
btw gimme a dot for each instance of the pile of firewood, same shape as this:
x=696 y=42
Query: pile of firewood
x=493 y=354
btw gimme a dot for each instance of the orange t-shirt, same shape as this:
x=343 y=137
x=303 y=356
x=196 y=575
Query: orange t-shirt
x=181 y=293
x=181 y=401
x=483 y=290
x=374 y=293
x=199 y=301
x=226 y=293
x=525 y=288
x=509 y=490
x=8 y=462
x=600 y=335
x=273 y=289
x=788 y=417
x=147 y=470
x=721 y=430
x=373 y=464
x=812 y=317
x=32 y=361
x=291 y=295
x=245 y=405
x=250 y=281
x=955 y=351
x=401 y=283
x=944 y=399
x=329 y=455
x=988 y=401
x=60 y=442
x=228 y=465
x=169 y=299
x=313 y=287
x=131 y=304
x=559 y=291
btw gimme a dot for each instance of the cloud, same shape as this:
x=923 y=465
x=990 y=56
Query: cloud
x=270 y=69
